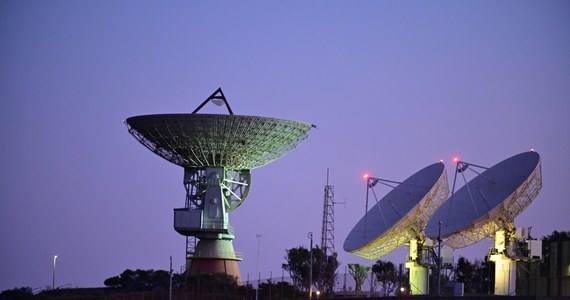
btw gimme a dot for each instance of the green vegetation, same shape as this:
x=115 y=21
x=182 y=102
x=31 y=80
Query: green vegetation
x=387 y=276
x=17 y=293
x=140 y=280
x=358 y=272
x=298 y=264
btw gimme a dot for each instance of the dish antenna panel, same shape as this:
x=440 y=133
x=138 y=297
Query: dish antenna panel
x=488 y=202
x=486 y=206
x=217 y=153
x=399 y=218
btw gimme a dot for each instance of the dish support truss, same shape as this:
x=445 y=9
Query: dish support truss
x=211 y=194
x=502 y=215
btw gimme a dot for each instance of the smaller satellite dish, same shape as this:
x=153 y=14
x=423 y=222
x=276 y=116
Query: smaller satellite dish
x=488 y=202
x=399 y=216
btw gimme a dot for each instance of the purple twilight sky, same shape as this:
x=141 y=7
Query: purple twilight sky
x=392 y=86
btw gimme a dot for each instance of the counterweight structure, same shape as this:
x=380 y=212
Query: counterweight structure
x=217 y=153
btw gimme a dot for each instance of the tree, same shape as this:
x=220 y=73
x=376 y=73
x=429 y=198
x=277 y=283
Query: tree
x=557 y=236
x=358 y=272
x=464 y=271
x=387 y=276
x=205 y=286
x=17 y=293
x=113 y=282
x=486 y=272
x=140 y=280
x=549 y=241
x=552 y=266
x=278 y=290
x=476 y=275
x=298 y=265
x=326 y=277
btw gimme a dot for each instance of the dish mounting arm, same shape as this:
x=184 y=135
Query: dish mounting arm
x=215 y=98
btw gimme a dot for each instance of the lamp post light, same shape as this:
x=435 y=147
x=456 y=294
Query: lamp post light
x=53 y=276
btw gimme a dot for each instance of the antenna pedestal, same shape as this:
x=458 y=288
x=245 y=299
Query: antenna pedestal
x=215 y=256
x=418 y=273
x=418 y=278
x=211 y=194
x=505 y=267
x=505 y=275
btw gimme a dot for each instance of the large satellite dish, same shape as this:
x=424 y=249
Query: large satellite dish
x=217 y=153
x=400 y=215
x=233 y=141
x=488 y=202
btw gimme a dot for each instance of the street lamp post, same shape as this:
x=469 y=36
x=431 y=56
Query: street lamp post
x=170 y=280
x=53 y=276
x=438 y=290
x=257 y=266
x=310 y=236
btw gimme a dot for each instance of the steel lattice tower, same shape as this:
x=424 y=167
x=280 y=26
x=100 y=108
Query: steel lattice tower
x=327 y=272
x=327 y=234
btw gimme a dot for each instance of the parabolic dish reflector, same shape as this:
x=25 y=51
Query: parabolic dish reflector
x=202 y=140
x=399 y=216
x=488 y=202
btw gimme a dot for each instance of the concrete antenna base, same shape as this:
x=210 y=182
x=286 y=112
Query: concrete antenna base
x=214 y=256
